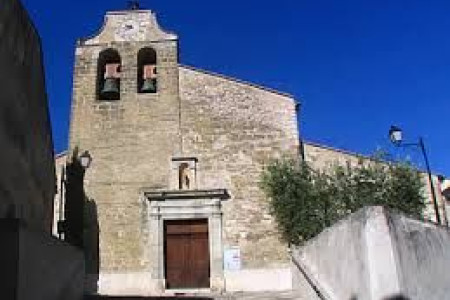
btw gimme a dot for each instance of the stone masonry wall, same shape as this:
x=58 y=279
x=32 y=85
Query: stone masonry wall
x=27 y=182
x=234 y=129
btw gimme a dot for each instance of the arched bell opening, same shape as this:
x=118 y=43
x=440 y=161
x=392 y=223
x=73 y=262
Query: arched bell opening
x=108 y=75
x=147 y=79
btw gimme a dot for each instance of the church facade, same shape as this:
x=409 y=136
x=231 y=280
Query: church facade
x=171 y=200
x=177 y=155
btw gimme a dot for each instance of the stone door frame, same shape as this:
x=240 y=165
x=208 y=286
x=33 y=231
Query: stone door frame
x=178 y=205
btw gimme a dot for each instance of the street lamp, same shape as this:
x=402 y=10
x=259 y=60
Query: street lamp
x=85 y=159
x=396 y=137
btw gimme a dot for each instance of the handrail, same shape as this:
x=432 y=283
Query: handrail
x=308 y=279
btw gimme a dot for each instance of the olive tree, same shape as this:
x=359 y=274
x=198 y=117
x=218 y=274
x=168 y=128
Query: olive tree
x=305 y=201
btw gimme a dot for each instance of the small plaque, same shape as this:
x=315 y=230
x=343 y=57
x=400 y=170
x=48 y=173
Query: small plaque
x=232 y=259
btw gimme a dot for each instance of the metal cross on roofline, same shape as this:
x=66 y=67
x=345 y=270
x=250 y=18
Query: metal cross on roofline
x=134 y=5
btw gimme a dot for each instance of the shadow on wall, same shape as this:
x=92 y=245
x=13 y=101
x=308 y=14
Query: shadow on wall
x=81 y=228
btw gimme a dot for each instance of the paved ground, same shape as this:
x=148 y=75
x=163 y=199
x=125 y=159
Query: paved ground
x=262 y=296
x=231 y=296
x=144 y=298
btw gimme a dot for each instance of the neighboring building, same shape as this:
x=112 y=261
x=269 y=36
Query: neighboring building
x=27 y=182
x=34 y=264
x=444 y=188
x=177 y=155
x=58 y=209
x=322 y=157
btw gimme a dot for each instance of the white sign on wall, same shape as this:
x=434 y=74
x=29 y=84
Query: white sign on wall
x=232 y=259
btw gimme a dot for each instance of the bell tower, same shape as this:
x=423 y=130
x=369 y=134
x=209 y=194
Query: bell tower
x=126 y=113
x=126 y=92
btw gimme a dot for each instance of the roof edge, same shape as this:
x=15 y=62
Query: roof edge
x=261 y=87
x=359 y=155
x=84 y=41
x=61 y=154
x=343 y=151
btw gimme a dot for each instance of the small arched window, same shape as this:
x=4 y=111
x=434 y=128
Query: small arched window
x=108 y=75
x=147 y=79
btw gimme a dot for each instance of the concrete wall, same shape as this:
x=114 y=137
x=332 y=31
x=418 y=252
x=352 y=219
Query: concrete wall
x=375 y=254
x=336 y=259
x=422 y=258
x=27 y=180
x=37 y=266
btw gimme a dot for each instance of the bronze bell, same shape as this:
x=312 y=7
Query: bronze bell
x=149 y=85
x=110 y=88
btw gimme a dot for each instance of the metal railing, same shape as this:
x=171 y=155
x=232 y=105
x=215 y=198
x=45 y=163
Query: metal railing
x=308 y=279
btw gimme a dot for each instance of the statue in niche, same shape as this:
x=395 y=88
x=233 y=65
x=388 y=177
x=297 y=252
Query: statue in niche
x=184 y=177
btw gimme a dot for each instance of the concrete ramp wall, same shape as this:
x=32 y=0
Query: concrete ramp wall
x=375 y=254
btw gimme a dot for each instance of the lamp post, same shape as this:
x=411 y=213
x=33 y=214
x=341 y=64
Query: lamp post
x=396 y=137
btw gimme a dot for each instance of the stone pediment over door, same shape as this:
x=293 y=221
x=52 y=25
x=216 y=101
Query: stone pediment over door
x=221 y=194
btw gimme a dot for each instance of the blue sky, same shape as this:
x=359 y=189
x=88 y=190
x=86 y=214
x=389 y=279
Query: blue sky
x=357 y=66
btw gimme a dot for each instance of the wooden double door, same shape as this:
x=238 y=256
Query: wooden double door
x=186 y=249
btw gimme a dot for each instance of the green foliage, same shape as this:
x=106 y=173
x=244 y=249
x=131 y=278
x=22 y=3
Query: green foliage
x=304 y=201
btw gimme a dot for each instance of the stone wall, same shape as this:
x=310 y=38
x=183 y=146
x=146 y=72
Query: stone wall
x=27 y=182
x=375 y=254
x=235 y=129
x=322 y=157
